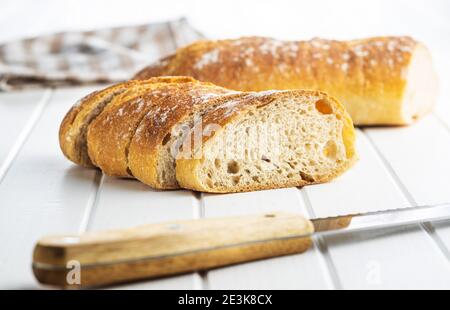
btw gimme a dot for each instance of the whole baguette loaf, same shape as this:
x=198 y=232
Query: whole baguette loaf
x=381 y=81
x=144 y=129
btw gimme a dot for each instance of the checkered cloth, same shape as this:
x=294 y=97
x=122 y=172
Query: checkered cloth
x=102 y=56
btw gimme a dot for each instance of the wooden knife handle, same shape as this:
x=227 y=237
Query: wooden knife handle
x=103 y=258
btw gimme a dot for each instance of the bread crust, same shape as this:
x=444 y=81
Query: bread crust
x=187 y=166
x=110 y=133
x=72 y=132
x=369 y=76
x=176 y=104
x=74 y=127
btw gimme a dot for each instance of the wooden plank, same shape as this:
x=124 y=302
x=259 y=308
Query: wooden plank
x=440 y=232
x=376 y=260
x=19 y=112
x=392 y=259
x=42 y=193
x=421 y=164
x=442 y=115
x=124 y=203
x=418 y=156
x=442 y=66
x=365 y=187
x=307 y=270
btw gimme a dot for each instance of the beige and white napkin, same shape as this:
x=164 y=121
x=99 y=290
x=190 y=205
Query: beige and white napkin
x=100 y=56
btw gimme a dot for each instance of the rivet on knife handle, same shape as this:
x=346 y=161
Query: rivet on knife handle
x=150 y=251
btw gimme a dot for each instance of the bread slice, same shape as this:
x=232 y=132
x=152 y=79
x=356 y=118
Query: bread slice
x=110 y=133
x=269 y=140
x=72 y=132
x=154 y=146
x=74 y=127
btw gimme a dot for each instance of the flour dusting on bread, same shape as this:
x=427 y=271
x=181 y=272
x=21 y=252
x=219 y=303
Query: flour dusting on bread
x=369 y=76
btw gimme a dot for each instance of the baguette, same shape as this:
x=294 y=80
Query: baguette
x=381 y=81
x=142 y=129
x=72 y=132
x=110 y=134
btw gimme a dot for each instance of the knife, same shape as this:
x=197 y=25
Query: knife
x=103 y=258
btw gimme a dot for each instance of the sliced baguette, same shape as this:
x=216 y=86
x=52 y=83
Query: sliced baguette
x=310 y=139
x=74 y=127
x=110 y=133
x=138 y=129
x=72 y=132
x=153 y=148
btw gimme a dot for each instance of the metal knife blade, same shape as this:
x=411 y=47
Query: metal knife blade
x=380 y=219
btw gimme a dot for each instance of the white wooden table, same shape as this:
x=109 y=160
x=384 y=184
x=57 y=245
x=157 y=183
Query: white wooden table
x=42 y=193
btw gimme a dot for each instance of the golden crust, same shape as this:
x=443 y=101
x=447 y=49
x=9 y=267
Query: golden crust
x=368 y=75
x=72 y=138
x=187 y=166
x=74 y=127
x=172 y=104
x=110 y=133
